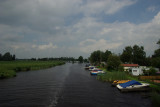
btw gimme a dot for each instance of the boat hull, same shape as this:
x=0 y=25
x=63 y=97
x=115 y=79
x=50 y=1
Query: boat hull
x=143 y=87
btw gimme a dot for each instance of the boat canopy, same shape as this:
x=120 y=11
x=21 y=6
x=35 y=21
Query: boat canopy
x=129 y=83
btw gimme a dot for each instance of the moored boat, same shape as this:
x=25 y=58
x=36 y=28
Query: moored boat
x=87 y=66
x=116 y=82
x=96 y=71
x=133 y=86
x=92 y=68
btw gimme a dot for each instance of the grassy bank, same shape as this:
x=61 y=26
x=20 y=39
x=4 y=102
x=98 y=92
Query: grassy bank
x=115 y=75
x=111 y=76
x=9 y=68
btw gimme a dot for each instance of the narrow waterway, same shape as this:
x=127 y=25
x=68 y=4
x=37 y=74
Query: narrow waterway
x=68 y=85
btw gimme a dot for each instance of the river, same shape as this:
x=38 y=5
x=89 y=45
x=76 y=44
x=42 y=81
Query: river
x=69 y=85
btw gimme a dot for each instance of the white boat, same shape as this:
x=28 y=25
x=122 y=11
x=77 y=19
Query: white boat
x=133 y=86
x=91 y=68
x=96 y=71
x=87 y=66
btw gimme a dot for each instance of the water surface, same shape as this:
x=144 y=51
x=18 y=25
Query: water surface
x=68 y=85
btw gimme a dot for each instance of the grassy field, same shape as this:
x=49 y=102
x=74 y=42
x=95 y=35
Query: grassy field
x=9 y=68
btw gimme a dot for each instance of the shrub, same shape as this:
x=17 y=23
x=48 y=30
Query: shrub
x=151 y=71
x=120 y=68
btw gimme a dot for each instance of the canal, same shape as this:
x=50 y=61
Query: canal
x=69 y=85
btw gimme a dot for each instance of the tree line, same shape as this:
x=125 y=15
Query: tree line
x=131 y=54
x=67 y=59
x=7 y=57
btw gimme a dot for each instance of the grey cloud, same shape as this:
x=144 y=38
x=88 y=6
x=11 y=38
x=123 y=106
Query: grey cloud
x=71 y=27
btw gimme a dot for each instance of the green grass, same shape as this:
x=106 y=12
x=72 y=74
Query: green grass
x=111 y=76
x=6 y=73
x=9 y=68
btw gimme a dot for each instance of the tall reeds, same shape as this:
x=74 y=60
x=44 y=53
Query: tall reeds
x=111 y=76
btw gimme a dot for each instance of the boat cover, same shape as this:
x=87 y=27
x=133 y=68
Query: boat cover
x=129 y=83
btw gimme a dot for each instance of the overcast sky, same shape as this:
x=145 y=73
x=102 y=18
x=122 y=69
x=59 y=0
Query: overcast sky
x=55 y=28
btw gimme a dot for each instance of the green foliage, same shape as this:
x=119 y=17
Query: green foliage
x=111 y=76
x=6 y=73
x=99 y=56
x=156 y=57
x=135 y=54
x=95 y=57
x=106 y=55
x=157 y=52
x=147 y=61
x=80 y=59
x=8 y=68
x=102 y=65
x=127 y=56
x=120 y=68
x=156 y=62
x=7 y=57
x=152 y=71
x=138 y=55
x=113 y=62
x=86 y=60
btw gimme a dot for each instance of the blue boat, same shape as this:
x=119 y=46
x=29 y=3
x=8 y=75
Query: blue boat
x=133 y=86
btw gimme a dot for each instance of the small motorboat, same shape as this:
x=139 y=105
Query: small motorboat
x=96 y=71
x=87 y=66
x=133 y=86
x=92 y=68
x=116 y=82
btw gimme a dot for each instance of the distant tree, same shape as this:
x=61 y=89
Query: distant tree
x=156 y=62
x=139 y=55
x=33 y=59
x=80 y=59
x=13 y=57
x=0 y=57
x=86 y=60
x=147 y=61
x=106 y=55
x=113 y=62
x=7 y=57
x=157 y=52
x=96 y=57
x=156 y=57
x=127 y=55
x=73 y=60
